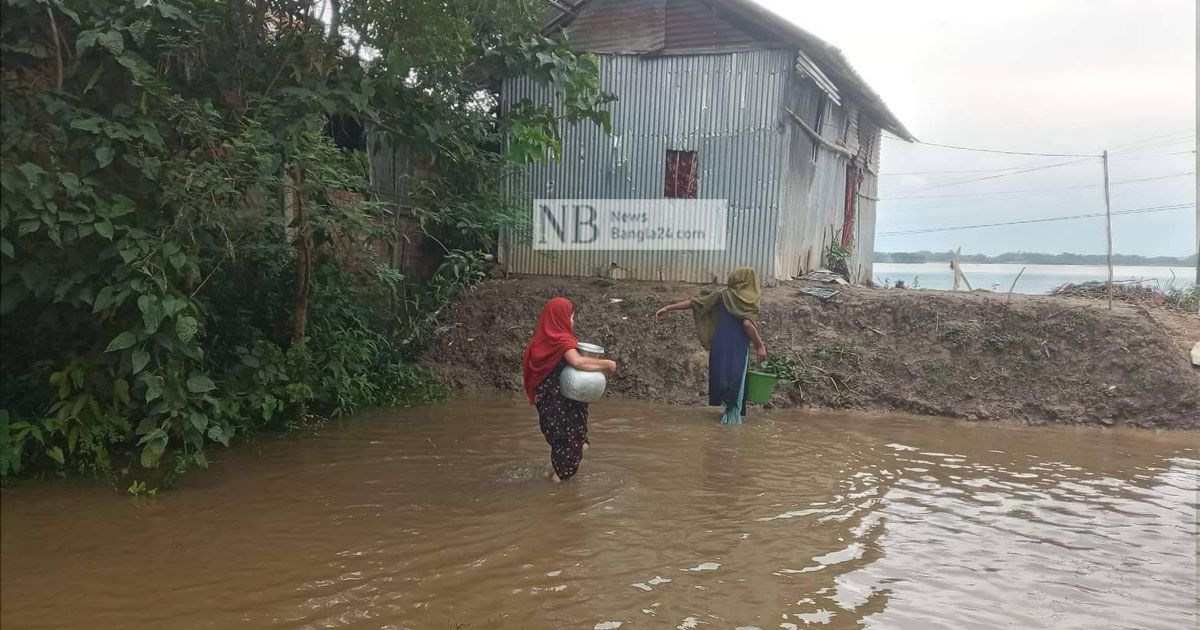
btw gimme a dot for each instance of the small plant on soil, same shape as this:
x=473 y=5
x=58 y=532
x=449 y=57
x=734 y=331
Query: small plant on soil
x=1185 y=299
x=956 y=335
x=998 y=342
x=937 y=369
x=839 y=352
x=892 y=364
x=842 y=389
x=840 y=398
x=1082 y=316
x=837 y=258
x=1024 y=368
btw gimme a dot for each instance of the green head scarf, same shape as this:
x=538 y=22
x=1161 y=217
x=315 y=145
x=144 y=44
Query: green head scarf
x=740 y=295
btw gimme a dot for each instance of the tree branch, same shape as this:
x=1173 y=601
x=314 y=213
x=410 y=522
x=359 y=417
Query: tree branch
x=57 y=48
x=816 y=137
x=335 y=19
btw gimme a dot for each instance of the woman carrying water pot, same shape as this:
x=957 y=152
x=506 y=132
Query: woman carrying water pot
x=563 y=421
x=725 y=320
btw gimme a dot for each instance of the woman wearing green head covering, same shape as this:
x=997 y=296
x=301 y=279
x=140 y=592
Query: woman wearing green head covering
x=726 y=320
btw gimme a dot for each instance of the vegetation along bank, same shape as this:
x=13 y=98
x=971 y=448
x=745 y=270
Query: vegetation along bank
x=191 y=250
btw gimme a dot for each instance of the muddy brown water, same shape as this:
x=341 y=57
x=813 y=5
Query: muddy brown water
x=442 y=517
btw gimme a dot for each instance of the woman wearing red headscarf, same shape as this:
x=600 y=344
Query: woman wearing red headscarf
x=563 y=421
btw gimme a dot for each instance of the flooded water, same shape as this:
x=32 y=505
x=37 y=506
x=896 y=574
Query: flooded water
x=1037 y=279
x=443 y=518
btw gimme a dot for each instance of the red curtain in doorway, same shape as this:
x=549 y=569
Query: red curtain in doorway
x=682 y=174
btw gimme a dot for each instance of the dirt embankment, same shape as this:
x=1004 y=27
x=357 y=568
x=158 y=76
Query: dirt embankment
x=965 y=355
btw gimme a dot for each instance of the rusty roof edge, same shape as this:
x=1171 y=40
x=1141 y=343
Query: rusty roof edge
x=782 y=28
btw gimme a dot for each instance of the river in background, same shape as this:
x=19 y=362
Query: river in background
x=443 y=517
x=1037 y=279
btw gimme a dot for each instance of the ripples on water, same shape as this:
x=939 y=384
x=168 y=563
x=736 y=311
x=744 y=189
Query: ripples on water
x=443 y=518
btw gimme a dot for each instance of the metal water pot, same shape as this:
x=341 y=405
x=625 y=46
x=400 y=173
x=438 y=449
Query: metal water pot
x=583 y=386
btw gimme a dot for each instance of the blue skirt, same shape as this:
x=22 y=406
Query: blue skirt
x=728 y=354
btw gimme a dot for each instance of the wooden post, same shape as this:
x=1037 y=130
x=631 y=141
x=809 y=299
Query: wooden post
x=1108 y=228
x=954 y=264
x=959 y=276
x=1014 y=285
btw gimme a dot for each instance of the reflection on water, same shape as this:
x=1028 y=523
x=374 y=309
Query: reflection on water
x=443 y=518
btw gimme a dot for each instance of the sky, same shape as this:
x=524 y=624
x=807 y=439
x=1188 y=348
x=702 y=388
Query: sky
x=1040 y=76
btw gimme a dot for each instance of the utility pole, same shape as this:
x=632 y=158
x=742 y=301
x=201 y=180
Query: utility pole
x=1108 y=228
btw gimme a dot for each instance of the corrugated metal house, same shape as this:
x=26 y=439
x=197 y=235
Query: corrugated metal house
x=740 y=103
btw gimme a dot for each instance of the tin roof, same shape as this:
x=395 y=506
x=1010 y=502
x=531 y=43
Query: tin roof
x=639 y=34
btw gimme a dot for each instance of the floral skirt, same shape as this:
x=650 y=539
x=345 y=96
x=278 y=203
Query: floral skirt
x=564 y=424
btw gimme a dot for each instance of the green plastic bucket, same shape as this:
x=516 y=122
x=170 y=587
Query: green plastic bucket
x=759 y=386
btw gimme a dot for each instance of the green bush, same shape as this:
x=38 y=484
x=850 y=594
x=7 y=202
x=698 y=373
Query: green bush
x=1187 y=299
x=956 y=335
x=837 y=258
x=186 y=251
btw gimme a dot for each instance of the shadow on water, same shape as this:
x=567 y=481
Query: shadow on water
x=444 y=515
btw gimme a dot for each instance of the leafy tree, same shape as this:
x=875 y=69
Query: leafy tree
x=186 y=251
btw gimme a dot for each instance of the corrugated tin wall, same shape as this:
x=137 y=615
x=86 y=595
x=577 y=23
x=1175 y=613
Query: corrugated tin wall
x=864 y=229
x=871 y=136
x=851 y=132
x=727 y=107
x=814 y=202
x=791 y=252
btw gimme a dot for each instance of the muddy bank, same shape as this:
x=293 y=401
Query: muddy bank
x=1038 y=359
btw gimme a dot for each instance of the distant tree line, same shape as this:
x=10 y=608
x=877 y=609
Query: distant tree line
x=1037 y=258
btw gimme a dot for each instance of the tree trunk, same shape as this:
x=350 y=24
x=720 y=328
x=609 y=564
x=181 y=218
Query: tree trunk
x=335 y=20
x=304 y=256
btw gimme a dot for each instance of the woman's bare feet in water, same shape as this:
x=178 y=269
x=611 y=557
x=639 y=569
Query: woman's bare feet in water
x=585 y=446
x=554 y=477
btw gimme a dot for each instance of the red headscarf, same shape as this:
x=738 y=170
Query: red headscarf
x=551 y=340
